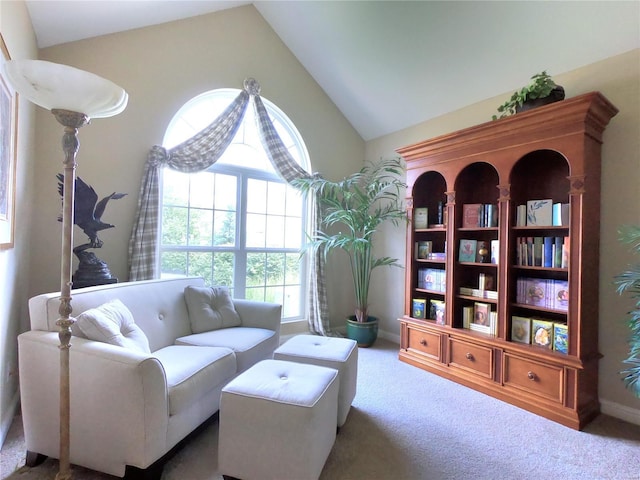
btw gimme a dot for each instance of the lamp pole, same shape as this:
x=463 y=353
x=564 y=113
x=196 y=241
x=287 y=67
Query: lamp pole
x=70 y=144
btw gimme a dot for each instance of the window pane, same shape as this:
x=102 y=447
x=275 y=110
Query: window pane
x=291 y=306
x=200 y=264
x=225 y=228
x=223 y=265
x=256 y=196
x=276 y=198
x=275 y=232
x=201 y=192
x=225 y=192
x=292 y=272
x=274 y=295
x=200 y=227
x=293 y=233
x=256 y=294
x=255 y=269
x=175 y=188
x=256 y=230
x=174 y=225
x=174 y=263
x=275 y=268
x=294 y=202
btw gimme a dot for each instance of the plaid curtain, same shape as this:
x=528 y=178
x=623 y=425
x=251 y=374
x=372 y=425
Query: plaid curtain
x=199 y=153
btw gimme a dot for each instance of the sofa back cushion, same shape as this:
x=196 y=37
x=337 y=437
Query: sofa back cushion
x=210 y=308
x=113 y=323
x=157 y=306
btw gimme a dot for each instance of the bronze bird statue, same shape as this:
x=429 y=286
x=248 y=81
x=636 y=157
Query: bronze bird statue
x=87 y=210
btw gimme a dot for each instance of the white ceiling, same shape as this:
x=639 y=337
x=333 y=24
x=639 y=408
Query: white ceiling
x=388 y=65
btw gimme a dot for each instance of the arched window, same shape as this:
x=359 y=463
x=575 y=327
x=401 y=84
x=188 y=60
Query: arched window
x=237 y=223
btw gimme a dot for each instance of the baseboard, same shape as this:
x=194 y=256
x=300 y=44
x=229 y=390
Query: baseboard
x=628 y=414
x=8 y=416
x=392 y=337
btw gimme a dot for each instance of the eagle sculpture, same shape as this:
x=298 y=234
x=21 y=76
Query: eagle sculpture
x=88 y=211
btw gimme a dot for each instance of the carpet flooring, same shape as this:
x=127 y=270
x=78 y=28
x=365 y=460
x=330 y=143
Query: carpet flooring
x=407 y=424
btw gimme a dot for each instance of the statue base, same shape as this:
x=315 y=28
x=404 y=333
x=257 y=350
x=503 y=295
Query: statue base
x=91 y=271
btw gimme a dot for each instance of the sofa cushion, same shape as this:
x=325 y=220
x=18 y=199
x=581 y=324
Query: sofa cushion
x=113 y=323
x=210 y=308
x=249 y=344
x=192 y=372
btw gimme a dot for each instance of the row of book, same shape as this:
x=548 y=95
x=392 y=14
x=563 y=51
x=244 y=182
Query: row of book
x=543 y=292
x=480 y=318
x=479 y=251
x=552 y=252
x=540 y=332
x=481 y=215
x=542 y=213
x=436 y=310
x=432 y=279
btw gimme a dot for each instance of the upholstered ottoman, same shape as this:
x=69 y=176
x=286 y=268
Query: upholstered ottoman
x=332 y=352
x=277 y=421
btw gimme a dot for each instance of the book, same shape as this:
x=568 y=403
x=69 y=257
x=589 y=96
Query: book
x=495 y=251
x=481 y=314
x=467 y=315
x=485 y=281
x=420 y=218
x=566 y=251
x=537 y=292
x=437 y=311
x=467 y=250
x=423 y=249
x=560 y=338
x=547 y=252
x=490 y=215
x=539 y=212
x=482 y=252
x=537 y=251
x=542 y=333
x=521 y=216
x=560 y=215
x=560 y=295
x=471 y=215
x=419 y=307
x=520 y=329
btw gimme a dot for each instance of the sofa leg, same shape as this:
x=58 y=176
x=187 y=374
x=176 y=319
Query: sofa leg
x=229 y=477
x=153 y=472
x=34 y=459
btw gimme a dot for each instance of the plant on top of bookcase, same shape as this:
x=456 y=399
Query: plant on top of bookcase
x=629 y=281
x=540 y=91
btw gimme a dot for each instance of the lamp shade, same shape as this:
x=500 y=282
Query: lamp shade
x=56 y=86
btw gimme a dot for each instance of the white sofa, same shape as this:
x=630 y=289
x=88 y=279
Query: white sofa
x=130 y=408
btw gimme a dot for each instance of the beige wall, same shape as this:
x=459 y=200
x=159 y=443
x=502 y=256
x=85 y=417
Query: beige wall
x=14 y=263
x=618 y=78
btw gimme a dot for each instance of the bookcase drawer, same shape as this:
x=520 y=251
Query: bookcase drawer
x=425 y=343
x=534 y=377
x=471 y=357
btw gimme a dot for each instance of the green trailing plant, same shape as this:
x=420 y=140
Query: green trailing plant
x=355 y=208
x=541 y=86
x=629 y=282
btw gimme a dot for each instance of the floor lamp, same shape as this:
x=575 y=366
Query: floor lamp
x=74 y=97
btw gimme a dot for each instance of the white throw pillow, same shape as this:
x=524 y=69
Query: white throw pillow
x=210 y=308
x=113 y=323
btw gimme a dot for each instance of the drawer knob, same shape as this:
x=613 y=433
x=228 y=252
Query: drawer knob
x=531 y=376
x=469 y=356
x=423 y=342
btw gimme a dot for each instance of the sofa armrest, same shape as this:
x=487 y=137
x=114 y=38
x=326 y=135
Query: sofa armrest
x=119 y=402
x=259 y=314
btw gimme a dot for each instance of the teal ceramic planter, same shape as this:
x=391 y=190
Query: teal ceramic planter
x=364 y=333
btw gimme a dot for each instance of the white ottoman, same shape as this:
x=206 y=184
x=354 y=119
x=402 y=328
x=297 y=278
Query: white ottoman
x=277 y=421
x=332 y=352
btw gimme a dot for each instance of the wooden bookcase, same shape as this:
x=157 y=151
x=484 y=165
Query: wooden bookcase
x=552 y=152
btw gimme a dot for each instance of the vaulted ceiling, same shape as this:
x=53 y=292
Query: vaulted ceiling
x=388 y=65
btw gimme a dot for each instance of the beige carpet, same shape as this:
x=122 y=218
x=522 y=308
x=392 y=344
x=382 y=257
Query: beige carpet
x=407 y=424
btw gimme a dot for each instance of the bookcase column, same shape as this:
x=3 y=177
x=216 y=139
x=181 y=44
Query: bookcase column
x=504 y=237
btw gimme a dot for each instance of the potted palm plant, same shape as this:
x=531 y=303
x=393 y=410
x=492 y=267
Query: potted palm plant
x=629 y=281
x=353 y=210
